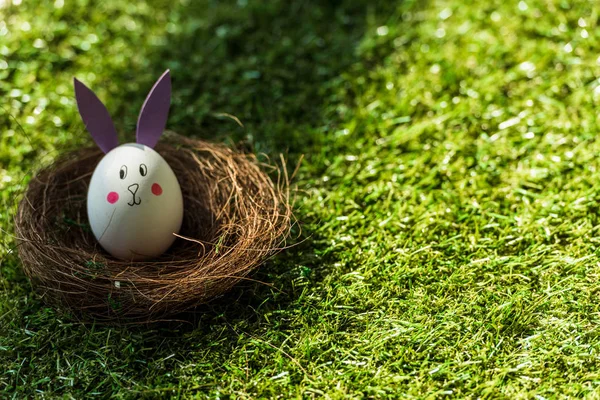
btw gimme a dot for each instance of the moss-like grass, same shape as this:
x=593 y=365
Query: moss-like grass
x=448 y=196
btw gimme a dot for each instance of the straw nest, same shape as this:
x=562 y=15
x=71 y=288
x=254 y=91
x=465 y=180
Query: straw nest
x=235 y=217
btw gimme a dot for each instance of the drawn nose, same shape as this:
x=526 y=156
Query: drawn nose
x=133 y=188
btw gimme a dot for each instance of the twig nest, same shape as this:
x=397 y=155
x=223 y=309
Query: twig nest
x=235 y=217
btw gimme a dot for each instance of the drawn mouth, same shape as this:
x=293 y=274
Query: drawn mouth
x=135 y=201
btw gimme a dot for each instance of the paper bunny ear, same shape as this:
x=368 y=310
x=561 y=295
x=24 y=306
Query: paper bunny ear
x=96 y=118
x=155 y=111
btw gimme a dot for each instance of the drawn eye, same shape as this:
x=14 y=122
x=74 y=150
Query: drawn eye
x=143 y=169
x=123 y=172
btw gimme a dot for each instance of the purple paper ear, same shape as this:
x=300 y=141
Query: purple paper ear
x=96 y=118
x=155 y=111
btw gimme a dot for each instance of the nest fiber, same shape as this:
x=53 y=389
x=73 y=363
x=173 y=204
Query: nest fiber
x=235 y=216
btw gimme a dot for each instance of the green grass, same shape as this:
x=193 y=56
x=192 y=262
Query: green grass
x=449 y=194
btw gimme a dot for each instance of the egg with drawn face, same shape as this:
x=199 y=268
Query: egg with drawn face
x=134 y=201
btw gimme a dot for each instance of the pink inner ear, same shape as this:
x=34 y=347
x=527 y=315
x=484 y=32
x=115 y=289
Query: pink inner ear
x=112 y=197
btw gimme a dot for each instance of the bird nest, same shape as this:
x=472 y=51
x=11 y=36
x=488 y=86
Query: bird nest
x=235 y=217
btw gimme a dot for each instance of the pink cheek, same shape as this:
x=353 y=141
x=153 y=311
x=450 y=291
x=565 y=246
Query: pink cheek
x=112 y=197
x=156 y=189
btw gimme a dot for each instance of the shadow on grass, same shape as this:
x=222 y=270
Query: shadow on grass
x=278 y=67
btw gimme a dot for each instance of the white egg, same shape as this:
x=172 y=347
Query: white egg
x=134 y=203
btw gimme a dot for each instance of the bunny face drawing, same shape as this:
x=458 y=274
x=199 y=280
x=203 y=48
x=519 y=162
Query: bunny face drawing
x=134 y=201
